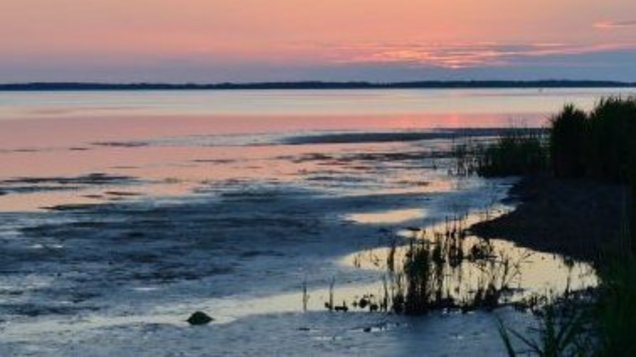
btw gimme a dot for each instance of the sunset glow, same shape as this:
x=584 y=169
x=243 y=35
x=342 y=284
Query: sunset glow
x=251 y=40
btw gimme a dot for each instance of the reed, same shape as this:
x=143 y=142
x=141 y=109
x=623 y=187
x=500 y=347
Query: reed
x=421 y=283
x=516 y=152
x=616 y=312
x=598 y=144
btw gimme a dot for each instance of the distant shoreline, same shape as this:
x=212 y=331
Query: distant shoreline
x=309 y=85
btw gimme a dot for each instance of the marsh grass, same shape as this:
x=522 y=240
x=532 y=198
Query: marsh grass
x=568 y=136
x=600 y=144
x=562 y=331
x=441 y=268
x=566 y=326
x=429 y=277
x=516 y=152
x=616 y=311
x=305 y=296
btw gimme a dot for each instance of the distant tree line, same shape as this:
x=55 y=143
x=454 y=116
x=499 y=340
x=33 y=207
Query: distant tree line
x=79 y=86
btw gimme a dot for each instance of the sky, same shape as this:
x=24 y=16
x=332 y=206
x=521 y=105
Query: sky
x=331 y=40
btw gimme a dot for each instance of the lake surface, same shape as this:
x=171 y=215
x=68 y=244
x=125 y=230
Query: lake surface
x=124 y=212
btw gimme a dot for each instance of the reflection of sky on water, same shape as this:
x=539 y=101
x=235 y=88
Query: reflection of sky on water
x=299 y=102
x=393 y=216
x=177 y=142
x=530 y=272
x=222 y=199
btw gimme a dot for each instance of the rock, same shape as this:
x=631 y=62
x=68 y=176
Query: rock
x=199 y=318
x=364 y=302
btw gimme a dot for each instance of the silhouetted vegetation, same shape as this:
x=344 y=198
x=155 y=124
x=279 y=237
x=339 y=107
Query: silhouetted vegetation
x=565 y=329
x=617 y=307
x=568 y=142
x=441 y=268
x=599 y=144
x=517 y=152
x=429 y=273
x=575 y=325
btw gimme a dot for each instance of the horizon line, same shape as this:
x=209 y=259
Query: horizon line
x=314 y=84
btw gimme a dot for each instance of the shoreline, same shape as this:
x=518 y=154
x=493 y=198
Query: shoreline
x=576 y=218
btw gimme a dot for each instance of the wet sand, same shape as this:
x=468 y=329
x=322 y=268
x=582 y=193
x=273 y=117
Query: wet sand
x=577 y=218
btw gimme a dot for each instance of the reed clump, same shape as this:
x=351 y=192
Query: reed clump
x=616 y=309
x=430 y=275
x=600 y=144
x=516 y=153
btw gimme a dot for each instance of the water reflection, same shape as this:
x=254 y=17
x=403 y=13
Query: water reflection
x=158 y=171
x=443 y=266
x=392 y=216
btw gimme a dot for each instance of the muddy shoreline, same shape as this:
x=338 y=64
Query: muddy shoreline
x=572 y=217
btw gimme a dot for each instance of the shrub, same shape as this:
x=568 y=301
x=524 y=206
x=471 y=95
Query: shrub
x=567 y=142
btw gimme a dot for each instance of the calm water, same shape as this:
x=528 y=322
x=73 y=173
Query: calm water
x=175 y=133
x=123 y=212
x=514 y=102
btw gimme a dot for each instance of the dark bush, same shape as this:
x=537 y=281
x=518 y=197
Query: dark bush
x=612 y=132
x=568 y=136
x=601 y=144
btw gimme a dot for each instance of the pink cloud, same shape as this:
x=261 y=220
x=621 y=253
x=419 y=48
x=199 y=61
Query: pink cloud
x=610 y=25
x=456 y=56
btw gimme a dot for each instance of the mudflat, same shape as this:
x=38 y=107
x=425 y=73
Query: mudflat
x=578 y=218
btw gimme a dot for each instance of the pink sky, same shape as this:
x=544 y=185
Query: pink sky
x=257 y=39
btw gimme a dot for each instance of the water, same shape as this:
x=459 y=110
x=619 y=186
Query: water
x=124 y=212
x=296 y=102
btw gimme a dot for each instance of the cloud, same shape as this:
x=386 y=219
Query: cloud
x=463 y=55
x=610 y=25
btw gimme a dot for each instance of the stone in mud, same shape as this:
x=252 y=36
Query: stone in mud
x=199 y=318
